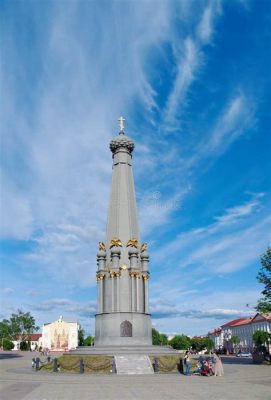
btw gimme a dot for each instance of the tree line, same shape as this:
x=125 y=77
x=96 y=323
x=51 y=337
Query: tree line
x=182 y=342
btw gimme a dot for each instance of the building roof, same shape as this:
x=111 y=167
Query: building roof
x=237 y=322
x=264 y=316
x=216 y=331
x=33 y=337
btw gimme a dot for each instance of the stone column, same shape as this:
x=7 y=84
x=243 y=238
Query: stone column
x=146 y=292
x=133 y=257
x=132 y=292
x=112 y=292
x=115 y=263
x=115 y=257
x=100 y=278
x=101 y=262
x=137 y=292
x=145 y=275
x=118 y=291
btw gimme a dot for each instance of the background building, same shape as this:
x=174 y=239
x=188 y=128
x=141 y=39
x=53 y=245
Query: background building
x=35 y=340
x=244 y=329
x=60 y=335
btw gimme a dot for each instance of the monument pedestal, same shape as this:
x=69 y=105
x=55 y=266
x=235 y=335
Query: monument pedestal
x=123 y=329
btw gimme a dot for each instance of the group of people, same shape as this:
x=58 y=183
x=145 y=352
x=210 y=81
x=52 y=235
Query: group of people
x=205 y=366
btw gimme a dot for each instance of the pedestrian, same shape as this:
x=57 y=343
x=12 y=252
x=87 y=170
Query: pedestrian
x=33 y=363
x=187 y=362
x=218 y=369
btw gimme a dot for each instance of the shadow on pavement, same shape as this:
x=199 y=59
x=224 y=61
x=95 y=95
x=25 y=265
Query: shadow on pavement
x=4 y=356
x=236 y=360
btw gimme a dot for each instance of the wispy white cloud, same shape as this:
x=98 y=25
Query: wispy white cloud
x=15 y=206
x=7 y=290
x=233 y=214
x=236 y=117
x=184 y=76
x=197 y=313
x=66 y=306
x=218 y=242
x=205 y=27
x=189 y=58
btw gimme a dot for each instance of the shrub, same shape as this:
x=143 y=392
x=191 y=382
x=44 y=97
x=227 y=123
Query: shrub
x=7 y=344
x=24 y=346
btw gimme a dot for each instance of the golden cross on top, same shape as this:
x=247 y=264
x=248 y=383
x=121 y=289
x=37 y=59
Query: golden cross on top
x=121 y=123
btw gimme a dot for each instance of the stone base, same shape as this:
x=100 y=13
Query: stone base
x=109 y=332
x=123 y=350
x=133 y=365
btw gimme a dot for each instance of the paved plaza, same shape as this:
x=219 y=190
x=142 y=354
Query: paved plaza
x=242 y=381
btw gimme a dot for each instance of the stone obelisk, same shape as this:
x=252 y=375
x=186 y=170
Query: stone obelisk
x=122 y=277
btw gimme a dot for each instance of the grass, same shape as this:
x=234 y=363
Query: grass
x=103 y=364
x=170 y=363
x=71 y=363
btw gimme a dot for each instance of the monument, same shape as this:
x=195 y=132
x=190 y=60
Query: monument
x=123 y=326
x=123 y=317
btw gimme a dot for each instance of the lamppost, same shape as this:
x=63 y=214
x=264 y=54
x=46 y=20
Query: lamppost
x=227 y=336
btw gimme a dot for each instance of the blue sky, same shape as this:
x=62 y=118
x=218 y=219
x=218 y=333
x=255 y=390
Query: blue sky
x=192 y=79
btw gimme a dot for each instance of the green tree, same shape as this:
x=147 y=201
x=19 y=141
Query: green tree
x=4 y=329
x=21 y=325
x=235 y=340
x=155 y=337
x=88 y=341
x=199 y=344
x=158 y=338
x=209 y=344
x=163 y=339
x=25 y=345
x=260 y=338
x=264 y=277
x=81 y=336
x=180 y=342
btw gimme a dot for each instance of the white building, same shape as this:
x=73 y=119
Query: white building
x=60 y=335
x=244 y=329
x=35 y=340
x=238 y=327
x=217 y=337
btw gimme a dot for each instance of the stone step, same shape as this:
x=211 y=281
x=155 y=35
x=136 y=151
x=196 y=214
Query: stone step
x=116 y=350
x=130 y=364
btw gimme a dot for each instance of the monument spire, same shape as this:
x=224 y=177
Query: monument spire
x=122 y=222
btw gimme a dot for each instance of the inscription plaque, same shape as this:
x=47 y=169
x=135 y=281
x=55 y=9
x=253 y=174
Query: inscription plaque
x=126 y=329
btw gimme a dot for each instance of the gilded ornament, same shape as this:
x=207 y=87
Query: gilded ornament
x=134 y=274
x=100 y=277
x=132 y=243
x=114 y=274
x=115 y=243
x=124 y=266
x=101 y=246
x=143 y=247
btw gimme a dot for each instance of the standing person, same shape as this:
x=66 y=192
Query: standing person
x=187 y=362
x=218 y=370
